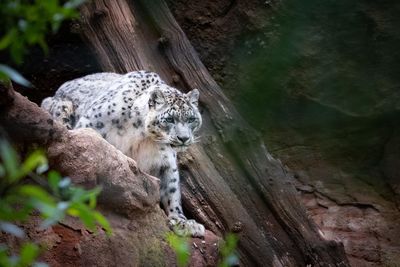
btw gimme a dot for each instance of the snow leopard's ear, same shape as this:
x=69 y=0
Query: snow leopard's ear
x=193 y=97
x=157 y=99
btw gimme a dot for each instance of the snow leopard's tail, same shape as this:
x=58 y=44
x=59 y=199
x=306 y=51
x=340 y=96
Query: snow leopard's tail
x=60 y=110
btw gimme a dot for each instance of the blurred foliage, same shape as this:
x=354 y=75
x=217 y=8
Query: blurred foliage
x=179 y=244
x=53 y=197
x=8 y=72
x=227 y=249
x=25 y=23
x=321 y=63
x=323 y=75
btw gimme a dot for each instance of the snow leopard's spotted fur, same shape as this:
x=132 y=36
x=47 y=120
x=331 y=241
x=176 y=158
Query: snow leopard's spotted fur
x=141 y=116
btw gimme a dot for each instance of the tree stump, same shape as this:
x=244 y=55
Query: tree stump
x=230 y=181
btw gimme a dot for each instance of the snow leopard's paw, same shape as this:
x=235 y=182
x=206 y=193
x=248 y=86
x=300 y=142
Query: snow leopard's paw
x=186 y=227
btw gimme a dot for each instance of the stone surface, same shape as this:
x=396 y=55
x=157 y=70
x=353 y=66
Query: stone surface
x=132 y=243
x=90 y=160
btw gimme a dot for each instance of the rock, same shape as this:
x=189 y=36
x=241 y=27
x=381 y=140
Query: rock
x=91 y=161
x=204 y=252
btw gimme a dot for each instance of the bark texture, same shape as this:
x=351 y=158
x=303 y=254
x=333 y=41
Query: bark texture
x=303 y=107
x=231 y=182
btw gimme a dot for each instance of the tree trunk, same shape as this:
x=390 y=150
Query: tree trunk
x=230 y=181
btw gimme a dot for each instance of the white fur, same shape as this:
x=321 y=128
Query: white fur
x=133 y=112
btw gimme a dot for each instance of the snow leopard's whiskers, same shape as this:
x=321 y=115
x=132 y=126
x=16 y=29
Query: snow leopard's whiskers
x=196 y=139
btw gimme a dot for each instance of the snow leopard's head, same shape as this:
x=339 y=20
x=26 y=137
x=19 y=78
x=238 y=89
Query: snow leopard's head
x=173 y=117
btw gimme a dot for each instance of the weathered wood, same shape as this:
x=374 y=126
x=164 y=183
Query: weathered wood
x=231 y=182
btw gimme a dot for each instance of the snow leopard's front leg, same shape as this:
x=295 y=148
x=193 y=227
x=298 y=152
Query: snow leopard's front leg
x=171 y=201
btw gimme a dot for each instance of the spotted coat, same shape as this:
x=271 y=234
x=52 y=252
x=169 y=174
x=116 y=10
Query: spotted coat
x=143 y=117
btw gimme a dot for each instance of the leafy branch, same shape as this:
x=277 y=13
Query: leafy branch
x=51 y=195
x=25 y=23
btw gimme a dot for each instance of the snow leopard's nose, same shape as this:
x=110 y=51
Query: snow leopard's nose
x=183 y=139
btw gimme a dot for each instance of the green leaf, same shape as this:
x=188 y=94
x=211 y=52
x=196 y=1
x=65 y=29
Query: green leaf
x=52 y=214
x=47 y=210
x=14 y=209
x=56 y=22
x=12 y=229
x=37 y=193
x=17 y=50
x=72 y=4
x=228 y=251
x=34 y=160
x=10 y=160
x=2 y=171
x=28 y=254
x=62 y=205
x=7 y=39
x=180 y=246
x=50 y=5
x=92 y=201
x=22 y=24
x=42 y=168
x=91 y=195
x=14 y=75
x=4 y=259
x=103 y=222
x=65 y=182
x=78 y=195
x=86 y=216
x=54 y=180
x=48 y=222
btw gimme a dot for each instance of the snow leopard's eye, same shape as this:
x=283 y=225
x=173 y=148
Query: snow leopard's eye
x=191 y=119
x=169 y=119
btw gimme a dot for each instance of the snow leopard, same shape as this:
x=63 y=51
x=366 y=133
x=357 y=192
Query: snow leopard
x=144 y=118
